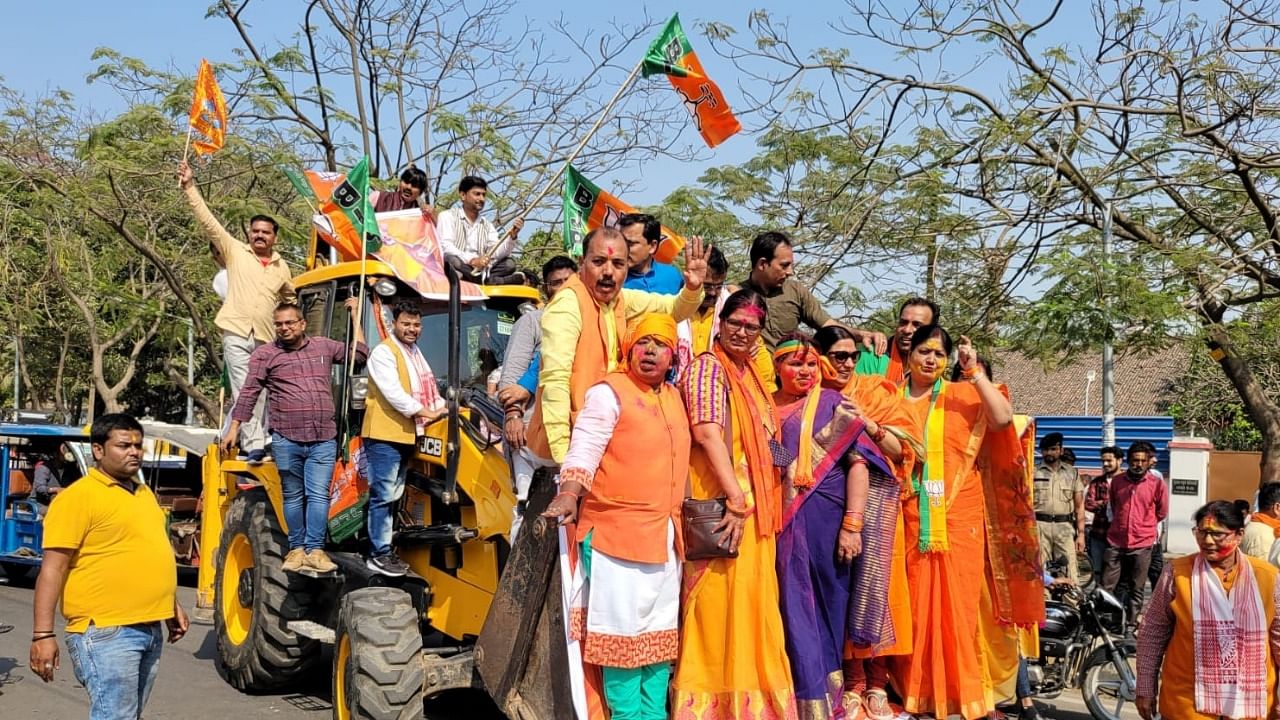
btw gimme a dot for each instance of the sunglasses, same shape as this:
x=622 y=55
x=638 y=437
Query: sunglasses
x=842 y=356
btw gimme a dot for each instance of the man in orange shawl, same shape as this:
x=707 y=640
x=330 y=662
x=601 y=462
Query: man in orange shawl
x=969 y=526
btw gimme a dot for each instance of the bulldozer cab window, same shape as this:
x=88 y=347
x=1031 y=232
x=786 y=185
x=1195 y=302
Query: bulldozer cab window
x=485 y=332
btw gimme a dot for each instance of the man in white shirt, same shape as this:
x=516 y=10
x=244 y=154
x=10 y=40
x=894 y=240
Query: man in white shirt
x=403 y=399
x=470 y=242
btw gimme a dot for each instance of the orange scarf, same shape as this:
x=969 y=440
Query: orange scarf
x=895 y=373
x=1273 y=523
x=747 y=401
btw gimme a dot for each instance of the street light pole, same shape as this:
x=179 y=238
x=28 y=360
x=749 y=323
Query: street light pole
x=191 y=377
x=17 y=378
x=1108 y=361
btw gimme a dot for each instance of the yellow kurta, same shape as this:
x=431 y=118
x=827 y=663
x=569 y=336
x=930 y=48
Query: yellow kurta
x=561 y=326
x=733 y=663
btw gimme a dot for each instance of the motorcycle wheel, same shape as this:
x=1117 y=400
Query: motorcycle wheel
x=1104 y=690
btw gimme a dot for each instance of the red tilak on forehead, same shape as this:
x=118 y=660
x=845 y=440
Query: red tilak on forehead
x=752 y=309
x=608 y=250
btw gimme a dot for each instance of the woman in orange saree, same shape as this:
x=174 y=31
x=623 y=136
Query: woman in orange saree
x=957 y=543
x=733 y=661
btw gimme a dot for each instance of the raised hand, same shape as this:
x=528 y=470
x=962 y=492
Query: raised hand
x=695 y=262
x=965 y=354
x=184 y=174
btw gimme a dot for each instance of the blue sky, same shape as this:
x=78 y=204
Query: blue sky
x=177 y=34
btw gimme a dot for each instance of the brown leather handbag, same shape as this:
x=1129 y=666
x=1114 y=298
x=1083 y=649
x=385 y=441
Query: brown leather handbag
x=698 y=518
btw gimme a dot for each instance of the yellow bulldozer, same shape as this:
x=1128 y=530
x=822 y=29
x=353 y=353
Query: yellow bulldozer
x=471 y=613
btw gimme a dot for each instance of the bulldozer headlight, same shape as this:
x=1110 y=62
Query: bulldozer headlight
x=359 y=392
x=386 y=287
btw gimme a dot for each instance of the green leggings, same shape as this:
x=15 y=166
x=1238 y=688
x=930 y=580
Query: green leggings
x=632 y=693
x=637 y=693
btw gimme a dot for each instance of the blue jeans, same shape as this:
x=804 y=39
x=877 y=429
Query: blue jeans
x=117 y=666
x=306 y=471
x=386 y=465
x=1096 y=546
x=1023 y=683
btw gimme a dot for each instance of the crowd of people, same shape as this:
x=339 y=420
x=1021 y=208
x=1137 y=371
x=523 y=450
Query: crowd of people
x=855 y=523
x=761 y=522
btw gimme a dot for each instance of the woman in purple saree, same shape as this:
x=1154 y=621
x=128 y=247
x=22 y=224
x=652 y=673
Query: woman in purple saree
x=840 y=508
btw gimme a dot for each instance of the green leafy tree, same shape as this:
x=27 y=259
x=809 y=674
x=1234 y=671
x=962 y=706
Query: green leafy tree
x=1164 y=113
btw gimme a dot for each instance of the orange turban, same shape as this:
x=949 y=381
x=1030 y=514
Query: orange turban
x=660 y=326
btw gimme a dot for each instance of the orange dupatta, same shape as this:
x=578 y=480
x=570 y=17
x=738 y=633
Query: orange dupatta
x=747 y=398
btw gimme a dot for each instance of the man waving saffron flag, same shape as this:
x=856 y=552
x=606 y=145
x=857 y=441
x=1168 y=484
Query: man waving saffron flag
x=673 y=56
x=208 y=114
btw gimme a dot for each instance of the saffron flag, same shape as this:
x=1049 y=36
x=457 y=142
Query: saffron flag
x=673 y=56
x=587 y=207
x=208 y=115
x=411 y=248
x=350 y=199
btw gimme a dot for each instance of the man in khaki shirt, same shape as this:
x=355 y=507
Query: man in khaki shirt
x=1059 y=502
x=790 y=303
x=257 y=280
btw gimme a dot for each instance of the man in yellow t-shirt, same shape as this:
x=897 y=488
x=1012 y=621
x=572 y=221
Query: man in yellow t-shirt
x=107 y=554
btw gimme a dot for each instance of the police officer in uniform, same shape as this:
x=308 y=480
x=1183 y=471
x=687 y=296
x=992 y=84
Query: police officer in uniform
x=1059 y=500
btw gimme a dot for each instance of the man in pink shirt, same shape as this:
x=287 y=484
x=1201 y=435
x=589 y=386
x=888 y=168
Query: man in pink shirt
x=1139 y=502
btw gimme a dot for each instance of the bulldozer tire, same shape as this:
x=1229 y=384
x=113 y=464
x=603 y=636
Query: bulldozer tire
x=377 y=662
x=252 y=600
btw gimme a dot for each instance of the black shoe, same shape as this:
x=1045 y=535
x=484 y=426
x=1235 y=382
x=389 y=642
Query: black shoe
x=389 y=565
x=1029 y=713
x=256 y=457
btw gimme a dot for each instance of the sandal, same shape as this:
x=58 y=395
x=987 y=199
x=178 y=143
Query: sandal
x=850 y=700
x=877 y=705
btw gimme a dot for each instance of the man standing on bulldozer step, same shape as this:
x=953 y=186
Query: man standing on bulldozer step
x=295 y=372
x=107 y=555
x=257 y=279
x=403 y=399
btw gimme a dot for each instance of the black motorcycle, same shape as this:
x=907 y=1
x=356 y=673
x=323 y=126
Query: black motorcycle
x=1082 y=645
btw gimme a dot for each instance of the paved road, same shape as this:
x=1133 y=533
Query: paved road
x=189 y=687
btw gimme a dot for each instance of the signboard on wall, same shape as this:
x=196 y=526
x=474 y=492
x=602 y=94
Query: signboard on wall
x=1185 y=486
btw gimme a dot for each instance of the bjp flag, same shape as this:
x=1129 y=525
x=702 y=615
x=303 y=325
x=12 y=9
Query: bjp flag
x=208 y=115
x=673 y=56
x=587 y=207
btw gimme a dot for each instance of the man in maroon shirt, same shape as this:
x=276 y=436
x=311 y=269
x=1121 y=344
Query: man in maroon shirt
x=295 y=369
x=1097 y=500
x=1139 y=501
x=408 y=196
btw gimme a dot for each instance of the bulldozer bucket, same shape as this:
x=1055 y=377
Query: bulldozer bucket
x=521 y=654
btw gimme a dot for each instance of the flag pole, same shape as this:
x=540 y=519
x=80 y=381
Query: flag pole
x=187 y=145
x=604 y=114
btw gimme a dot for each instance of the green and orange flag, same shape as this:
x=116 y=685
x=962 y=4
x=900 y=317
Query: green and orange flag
x=587 y=207
x=351 y=201
x=673 y=56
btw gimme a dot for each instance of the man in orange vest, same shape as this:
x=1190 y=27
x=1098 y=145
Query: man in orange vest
x=582 y=329
x=622 y=482
x=403 y=399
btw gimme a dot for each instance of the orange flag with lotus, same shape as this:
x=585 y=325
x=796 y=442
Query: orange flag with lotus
x=673 y=56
